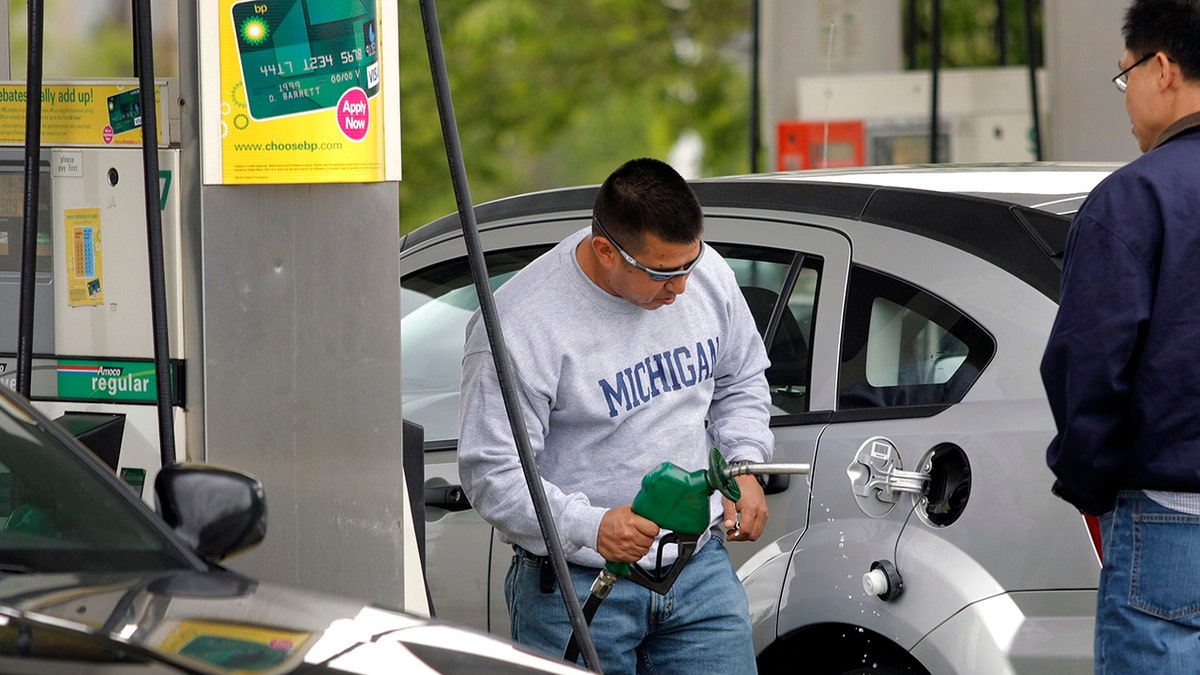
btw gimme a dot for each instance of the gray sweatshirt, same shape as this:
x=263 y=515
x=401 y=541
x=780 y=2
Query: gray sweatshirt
x=609 y=391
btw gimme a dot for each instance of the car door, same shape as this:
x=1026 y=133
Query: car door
x=437 y=299
x=792 y=269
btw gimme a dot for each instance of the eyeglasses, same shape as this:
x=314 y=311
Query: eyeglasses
x=1122 y=78
x=655 y=275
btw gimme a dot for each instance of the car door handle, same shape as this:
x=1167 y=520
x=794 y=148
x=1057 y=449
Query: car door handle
x=775 y=483
x=449 y=497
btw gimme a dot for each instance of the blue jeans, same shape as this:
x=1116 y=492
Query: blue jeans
x=1148 y=604
x=702 y=624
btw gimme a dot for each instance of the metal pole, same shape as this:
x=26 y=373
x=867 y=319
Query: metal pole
x=935 y=58
x=1002 y=30
x=158 y=284
x=33 y=151
x=755 y=62
x=491 y=320
x=1031 y=58
x=910 y=39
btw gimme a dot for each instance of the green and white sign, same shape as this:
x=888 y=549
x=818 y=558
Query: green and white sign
x=122 y=381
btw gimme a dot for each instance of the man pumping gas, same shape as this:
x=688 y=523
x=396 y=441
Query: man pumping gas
x=618 y=371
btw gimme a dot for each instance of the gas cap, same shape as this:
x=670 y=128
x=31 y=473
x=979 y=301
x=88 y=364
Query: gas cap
x=877 y=478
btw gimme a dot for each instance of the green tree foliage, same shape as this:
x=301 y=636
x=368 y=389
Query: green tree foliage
x=550 y=93
x=547 y=93
x=91 y=40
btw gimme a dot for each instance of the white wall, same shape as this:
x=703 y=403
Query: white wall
x=1087 y=113
x=866 y=37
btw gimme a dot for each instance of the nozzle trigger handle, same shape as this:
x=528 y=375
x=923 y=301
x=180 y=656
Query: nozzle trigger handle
x=658 y=581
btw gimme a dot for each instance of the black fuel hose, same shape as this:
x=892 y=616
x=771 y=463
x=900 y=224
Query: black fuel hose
x=33 y=151
x=154 y=237
x=571 y=655
x=491 y=320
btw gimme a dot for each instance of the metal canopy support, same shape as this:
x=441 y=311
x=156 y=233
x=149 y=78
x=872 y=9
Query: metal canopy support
x=935 y=59
x=293 y=350
x=910 y=39
x=1030 y=53
x=1002 y=30
x=755 y=67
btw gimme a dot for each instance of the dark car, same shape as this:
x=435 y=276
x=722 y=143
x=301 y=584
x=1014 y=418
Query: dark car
x=905 y=311
x=91 y=580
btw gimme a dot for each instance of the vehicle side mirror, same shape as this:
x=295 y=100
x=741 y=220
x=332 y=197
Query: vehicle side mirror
x=218 y=512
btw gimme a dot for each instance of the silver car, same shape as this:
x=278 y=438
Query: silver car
x=905 y=311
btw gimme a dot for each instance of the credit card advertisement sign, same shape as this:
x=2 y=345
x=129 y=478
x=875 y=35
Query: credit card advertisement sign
x=86 y=112
x=303 y=97
x=125 y=111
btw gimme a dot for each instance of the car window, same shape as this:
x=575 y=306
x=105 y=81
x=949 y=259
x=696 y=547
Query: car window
x=57 y=515
x=903 y=346
x=435 y=305
x=437 y=302
x=764 y=275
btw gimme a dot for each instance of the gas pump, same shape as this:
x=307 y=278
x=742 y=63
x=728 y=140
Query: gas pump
x=278 y=162
x=94 y=353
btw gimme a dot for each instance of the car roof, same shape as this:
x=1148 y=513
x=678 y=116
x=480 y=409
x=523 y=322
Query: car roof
x=1056 y=187
x=1013 y=215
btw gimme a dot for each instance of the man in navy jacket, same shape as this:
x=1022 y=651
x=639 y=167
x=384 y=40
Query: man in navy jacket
x=1122 y=366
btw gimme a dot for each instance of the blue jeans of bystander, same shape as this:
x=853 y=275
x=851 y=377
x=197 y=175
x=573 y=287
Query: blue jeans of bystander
x=702 y=624
x=1148 y=604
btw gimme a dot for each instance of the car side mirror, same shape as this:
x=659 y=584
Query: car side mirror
x=218 y=512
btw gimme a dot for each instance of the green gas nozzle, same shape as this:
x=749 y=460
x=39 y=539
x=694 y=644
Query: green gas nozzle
x=677 y=500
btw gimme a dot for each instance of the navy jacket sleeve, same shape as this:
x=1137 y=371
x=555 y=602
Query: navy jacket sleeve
x=1091 y=357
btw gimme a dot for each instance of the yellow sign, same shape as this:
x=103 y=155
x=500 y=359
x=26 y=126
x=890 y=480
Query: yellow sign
x=85 y=271
x=302 y=92
x=237 y=647
x=79 y=113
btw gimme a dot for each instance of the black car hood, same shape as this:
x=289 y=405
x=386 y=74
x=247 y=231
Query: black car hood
x=221 y=622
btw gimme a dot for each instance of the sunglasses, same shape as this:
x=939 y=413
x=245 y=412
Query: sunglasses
x=655 y=275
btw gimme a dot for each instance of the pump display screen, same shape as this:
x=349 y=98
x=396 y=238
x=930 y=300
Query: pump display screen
x=12 y=220
x=12 y=195
x=299 y=56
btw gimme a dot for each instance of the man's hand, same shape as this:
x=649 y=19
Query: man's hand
x=752 y=509
x=624 y=535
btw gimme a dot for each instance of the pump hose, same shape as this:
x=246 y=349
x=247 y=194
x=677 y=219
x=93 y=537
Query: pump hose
x=600 y=589
x=33 y=143
x=154 y=235
x=491 y=321
x=589 y=611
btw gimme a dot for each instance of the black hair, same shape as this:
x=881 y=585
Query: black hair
x=648 y=196
x=1168 y=26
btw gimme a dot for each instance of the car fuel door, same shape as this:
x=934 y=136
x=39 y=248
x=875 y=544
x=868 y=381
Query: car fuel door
x=941 y=483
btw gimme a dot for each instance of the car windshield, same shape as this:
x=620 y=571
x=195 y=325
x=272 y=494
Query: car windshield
x=57 y=514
